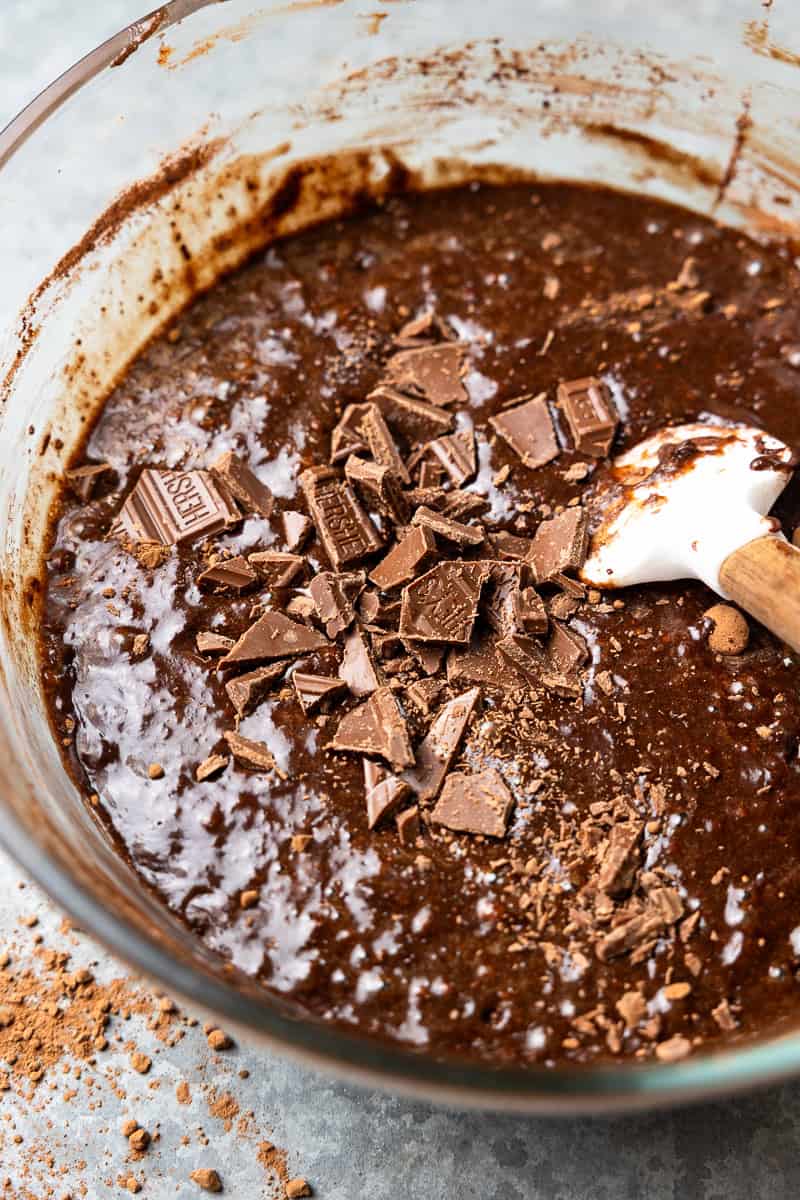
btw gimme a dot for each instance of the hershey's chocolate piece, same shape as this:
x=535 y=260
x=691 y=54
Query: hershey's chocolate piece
x=430 y=497
x=430 y=474
x=246 y=692
x=562 y=606
x=525 y=655
x=497 y=601
x=373 y=773
x=433 y=372
x=528 y=429
x=457 y=454
x=482 y=662
x=302 y=608
x=296 y=528
x=428 y=655
x=376 y=727
x=334 y=595
x=452 y=531
x=357 y=668
x=439 y=746
x=408 y=826
x=382 y=445
x=621 y=859
x=83 y=480
x=530 y=614
x=369 y=607
x=314 y=690
x=385 y=798
x=479 y=803
x=378 y=485
x=414 y=419
x=559 y=545
x=277 y=569
x=346 y=532
x=424 y=693
x=427 y=327
x=508 y=545
x=566 y=649
x=252 y=754
x=441 y=606
x=169 y=507
x=210 y=766
x=228 y=575
x=208 y=642
x=273 y=636
x=347 y=437
x=243 y=485
x=459 y=505
x=573 y=587
x=405 y=559
x=591 y=415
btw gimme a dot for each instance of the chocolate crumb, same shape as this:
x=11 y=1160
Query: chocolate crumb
x=207 y=1179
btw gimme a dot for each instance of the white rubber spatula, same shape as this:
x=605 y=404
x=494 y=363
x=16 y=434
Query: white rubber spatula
x=690 y=503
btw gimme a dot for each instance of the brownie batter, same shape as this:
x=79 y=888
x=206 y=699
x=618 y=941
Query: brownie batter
x=340 y=698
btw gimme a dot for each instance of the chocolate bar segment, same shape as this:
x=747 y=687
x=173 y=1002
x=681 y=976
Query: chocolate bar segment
x=334 y=595
x=273 y=636
x=382 y=445
x=247 y=691
x=243 y=484
x=479 y=803
x=559 y=545
x=441 y=606
x=453 y=531
x=314 y=690
x=415 y=419
x=439 y=746
x=528 y=429
x=591 y=415
x=276 y=568
x=169 y=507
x=228 y=575
x=345 y=530
x=376 y=727
x=378 y=486
x=405 y=560
x=432 y=372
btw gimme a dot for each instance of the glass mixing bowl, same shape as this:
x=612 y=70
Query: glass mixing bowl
x=194 y=137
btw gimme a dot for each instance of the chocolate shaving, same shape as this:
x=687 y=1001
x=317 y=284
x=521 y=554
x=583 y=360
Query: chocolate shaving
x=376 y=727
x=452 y=531
x=433 y=372
x=273 y=636
x=382 y=445
x=243 y=485
x=439 y=746
x=528 y=429
x=346 y=532
x=83 y=480
x=591 y=415
x=247 y=691
x=560 y=545
x=413 y=419
x=168 y=507
x=314 y=690
x=379 y=486
x=229 y=575
x=347 y=437
x=385 y=798
x=296 y=529
x=479 y=803
x=208 y=642
x=277 y=569
x=334 y=596
x=442 y=604
x=404 y=560
x=408 y=827
x=252 y=754
x=357 y=668
x=457 y=454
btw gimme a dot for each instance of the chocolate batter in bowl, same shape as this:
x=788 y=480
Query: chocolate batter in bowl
x=590 y=899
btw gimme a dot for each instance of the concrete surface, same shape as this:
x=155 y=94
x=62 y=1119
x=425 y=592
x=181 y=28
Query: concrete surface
x=349 y=1143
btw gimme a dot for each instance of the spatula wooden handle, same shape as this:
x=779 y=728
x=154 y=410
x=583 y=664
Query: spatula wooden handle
x=763 y=578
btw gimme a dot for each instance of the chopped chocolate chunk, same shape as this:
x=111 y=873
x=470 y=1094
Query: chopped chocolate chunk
x=208 y=642
x=429 y=497
x=526 y=656
x=369 y=607
x=408 y=827
x=378 y=485
x=428 y=656
x=252 y=754
x=590 y=413
x=168 y=507
x=479 y=803
x=560 y=545
x=83 y=480
x=385 y=798
x=530 y=614
x=528 y=429
x=459 y=505
x=621 y=859
x=346 y=532
x=452 y=531
x=246 y=692
x=676 y=1048
x=430 y=474
x=296 y=528
x=228 y=575
x=442 y=604
x=508 y=545
x=334 y=596
x=347 y=437
x=243 y=485
x=414 y=419
x=314 y=690
x=457 y=454
x=562 y=606
x=420 y=330
x=301 y=607
x=439 y=746
x=497 y=601
x=376 y=727
x=210 y=766
x=424 y=693
x=722 y=1015
x=482 y=662
x=373 y=773
x=382 y=445
x=632 y=1007
x=357 y=668
x=273 y=636
x=431 y=372
x=566 y=649
x=277 y=569
x=405 y=560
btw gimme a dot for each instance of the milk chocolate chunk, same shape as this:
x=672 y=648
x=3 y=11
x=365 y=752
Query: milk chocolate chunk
x=528 y=429
x=373 y=773
x=378 y=486
x=479 y=803
x=562 y=606
x=414 y=419
x=243 y=484
x=228 y=575
x=169 y=507
x=408 y=826
x=428 y=327
x=441 y=606
x=482 y=662
x=347 y=438
x=432 y=372
x=405 y=560
x=461 y=505
x=273 y=636
x=385 y=798
x=277 y=569
x=296 y=529
x=210 y=766
x=530 y=614
x=508 y=545
x=376 y=727
x=382 y=445
x=621 y=859
x=357 y=668
x=440 y=745
x=497 y=601
x=424 y=693
x=83 y=480
x=345 y=530
x=314 y=690
x=566 y=649
x=252 y=754
x=457 y=454
x=334 y=595
x=428 y=656
x=247 y=691
x=208 y=642
x=526 y=656
x=452 y=531
x=591 y=415
x=560 y=545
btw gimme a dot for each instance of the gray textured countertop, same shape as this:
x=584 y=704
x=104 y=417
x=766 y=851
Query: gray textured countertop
x=348 y=1142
